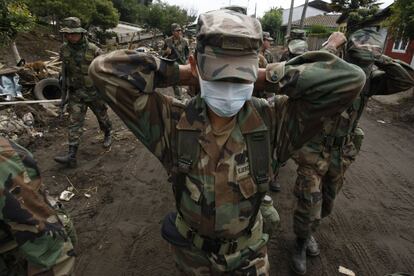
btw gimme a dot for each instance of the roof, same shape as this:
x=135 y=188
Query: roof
x=327 y=20
x=320 y=5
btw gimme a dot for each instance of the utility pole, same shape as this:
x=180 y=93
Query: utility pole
x=289 y=26
x=302 y=19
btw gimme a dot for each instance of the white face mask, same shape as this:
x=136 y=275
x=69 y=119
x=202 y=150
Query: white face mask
x=225 y=98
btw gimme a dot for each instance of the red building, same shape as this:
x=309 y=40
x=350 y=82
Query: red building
x=401 y=49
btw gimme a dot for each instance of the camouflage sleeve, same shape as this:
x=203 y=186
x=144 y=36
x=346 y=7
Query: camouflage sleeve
x=31 y=223
x=392 y=76
x=127 y=80
x=318 y=85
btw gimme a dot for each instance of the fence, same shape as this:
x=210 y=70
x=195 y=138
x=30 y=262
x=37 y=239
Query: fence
x=315 y=42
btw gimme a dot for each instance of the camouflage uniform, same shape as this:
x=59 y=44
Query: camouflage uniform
x=265 y=52
x=32 y=237
x=218 y=189
x=323 y=161
x=297 y=45
x=80 y=90
x=179 y=52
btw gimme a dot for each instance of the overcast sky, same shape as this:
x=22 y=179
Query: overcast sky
x=262 y=5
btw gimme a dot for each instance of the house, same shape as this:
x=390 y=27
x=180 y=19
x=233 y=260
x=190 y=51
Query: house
x=397 y=48
x=326 y=20
x=315 y=7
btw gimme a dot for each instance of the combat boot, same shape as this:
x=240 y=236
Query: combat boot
x=107 y=139
x=274 y=185
x=298 y=264
x=68 y=159
x=312 y=248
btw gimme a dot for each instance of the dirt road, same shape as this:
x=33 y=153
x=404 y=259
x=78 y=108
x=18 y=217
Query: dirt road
x=370 y=232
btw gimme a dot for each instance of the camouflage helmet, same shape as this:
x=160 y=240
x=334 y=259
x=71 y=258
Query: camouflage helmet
x=297 y=47
x=72 y=25
x=227 y=45
x=266 y=36
x=297 y=34
x=236 y=8
x=175 y=27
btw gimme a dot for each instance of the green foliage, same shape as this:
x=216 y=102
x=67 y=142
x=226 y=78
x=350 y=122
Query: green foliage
x=100 y=13
x=15 y=17
x=401 y=22
x=159 y=15
x=352 y=5
x=319 y=29
x=105 y=15
x=272 y=21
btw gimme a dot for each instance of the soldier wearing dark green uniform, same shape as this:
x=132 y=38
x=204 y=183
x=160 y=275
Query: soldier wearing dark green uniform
x=78 y=90
x=33 y=240
x=217 y=148
x=297 y=45
x=176 y=48
x=323 y=161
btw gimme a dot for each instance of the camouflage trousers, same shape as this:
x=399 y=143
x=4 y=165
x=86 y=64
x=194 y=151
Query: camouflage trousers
x=77 y=108
x=194 y=262
x=12 y=263
x=320 y=178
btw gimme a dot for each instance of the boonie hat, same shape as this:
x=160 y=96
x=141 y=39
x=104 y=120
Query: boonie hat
x=175 y=27
x=72 y=25
x=266 y=36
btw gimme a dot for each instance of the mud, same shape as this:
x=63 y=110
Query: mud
x=370 y=232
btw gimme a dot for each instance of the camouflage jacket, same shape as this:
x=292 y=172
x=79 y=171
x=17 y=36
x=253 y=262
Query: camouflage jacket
x=179 y=49
x=28 y=222
x=218 y=198
x=75 y=63
x=388 y=77
x=267 y=55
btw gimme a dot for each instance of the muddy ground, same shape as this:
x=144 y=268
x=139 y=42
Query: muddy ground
x=370 y=232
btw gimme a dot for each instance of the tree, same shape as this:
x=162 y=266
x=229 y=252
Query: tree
x=15 y=17
x=272 y=21
x=356 y=11
x=105 y=17
x=401 y=21
x=347 y=5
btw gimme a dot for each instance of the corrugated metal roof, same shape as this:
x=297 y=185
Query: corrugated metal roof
x=327 y=20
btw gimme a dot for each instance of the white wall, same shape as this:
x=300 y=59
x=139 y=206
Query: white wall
x=297 y=13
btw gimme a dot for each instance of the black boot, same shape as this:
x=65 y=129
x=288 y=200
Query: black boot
x=68 y=159
x=107 y=139
x=274 y=185
x=312 y=248
x=299 y=256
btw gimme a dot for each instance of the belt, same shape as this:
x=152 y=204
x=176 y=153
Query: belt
x=219 y=246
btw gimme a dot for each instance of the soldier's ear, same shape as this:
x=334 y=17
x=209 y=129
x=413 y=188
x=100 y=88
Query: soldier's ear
x=193 y=63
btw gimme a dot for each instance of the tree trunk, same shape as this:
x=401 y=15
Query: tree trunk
x=15 y=52
x=302 y=19
x=289 y=26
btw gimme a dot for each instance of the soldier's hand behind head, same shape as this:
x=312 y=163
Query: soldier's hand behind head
x=336 y=39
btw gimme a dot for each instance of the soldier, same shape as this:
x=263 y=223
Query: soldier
x=264 y=50
x=297 y=45
x=324 y=160
x=78 y=91
x=33 y=238
x=217 y=147
x=176 y=48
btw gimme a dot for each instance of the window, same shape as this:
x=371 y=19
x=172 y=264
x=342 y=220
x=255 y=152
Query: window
x=400 y=45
